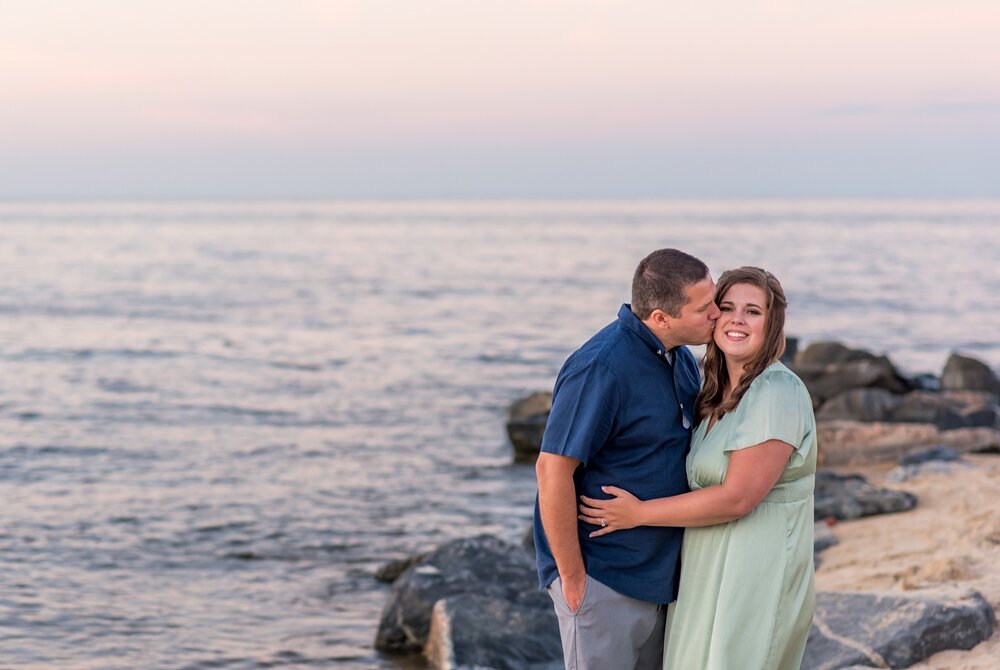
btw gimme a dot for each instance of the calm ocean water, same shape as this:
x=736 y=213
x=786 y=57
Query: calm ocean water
x=218 y=419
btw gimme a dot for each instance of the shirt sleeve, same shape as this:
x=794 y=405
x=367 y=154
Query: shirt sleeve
x=585 y=402
x=778 y=407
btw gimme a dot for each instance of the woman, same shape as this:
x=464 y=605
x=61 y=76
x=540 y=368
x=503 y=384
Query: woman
x=746 y=591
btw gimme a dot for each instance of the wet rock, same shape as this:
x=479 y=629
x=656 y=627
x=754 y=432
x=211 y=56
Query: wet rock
x=966 y=373
x=526 y=425
x=851 y=496
x=393 y=569
x=902 y=473
x=475 y=631
x=861 y=404
x=939 y=460
x=482 y=565
x=890 y=631
x=938 y=453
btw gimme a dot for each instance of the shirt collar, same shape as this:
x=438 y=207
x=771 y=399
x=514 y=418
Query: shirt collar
x=629 y=320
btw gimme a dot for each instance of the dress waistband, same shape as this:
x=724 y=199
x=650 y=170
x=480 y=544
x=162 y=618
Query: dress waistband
x=793 y=491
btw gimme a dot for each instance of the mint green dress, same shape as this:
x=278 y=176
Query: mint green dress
x=746 y=591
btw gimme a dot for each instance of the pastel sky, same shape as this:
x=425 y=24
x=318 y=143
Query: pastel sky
x=499 y=98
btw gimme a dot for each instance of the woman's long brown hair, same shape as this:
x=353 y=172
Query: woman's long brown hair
x=712 y=399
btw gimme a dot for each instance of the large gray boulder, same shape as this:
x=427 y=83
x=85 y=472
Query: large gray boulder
x=483 y=565
x=826 y=381
x=827 y=353
x=946 y=410
x=860 y=404
x=893 y=631
x=851 y=496
x=969 y=374
x=475 y=631
x=526 y=425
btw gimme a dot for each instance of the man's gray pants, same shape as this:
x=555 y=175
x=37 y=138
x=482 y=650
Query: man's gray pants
x=610 y=630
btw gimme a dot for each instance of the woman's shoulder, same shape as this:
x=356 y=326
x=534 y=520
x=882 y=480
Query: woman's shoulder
x=777 y=379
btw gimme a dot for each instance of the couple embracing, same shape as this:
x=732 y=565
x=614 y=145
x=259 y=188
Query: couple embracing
x=655 y=489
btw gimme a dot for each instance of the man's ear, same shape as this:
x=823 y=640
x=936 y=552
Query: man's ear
x=661 y=319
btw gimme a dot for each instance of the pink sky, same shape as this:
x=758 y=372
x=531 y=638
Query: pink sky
x=465 y=85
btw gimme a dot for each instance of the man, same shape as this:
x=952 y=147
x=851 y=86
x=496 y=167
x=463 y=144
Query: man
x=622 y=413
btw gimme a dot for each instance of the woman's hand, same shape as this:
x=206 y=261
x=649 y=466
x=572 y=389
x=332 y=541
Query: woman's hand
x=617 y=513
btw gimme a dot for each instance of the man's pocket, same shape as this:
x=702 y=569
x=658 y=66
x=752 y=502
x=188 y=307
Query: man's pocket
x=556 y=593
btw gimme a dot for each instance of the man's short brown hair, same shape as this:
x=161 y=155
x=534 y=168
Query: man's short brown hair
x=660 y=281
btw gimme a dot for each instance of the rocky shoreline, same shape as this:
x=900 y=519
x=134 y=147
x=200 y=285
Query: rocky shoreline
x=474 y=603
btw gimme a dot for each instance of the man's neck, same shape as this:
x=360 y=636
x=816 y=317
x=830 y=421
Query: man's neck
x=661 y=337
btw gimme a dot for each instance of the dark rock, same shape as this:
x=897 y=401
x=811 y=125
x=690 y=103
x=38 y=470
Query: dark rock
x=826 y=381
x=393 y=569
x=850 y=497
x=482 y=565
x=826 y=353
x=528 y=541
x=965 y=373
x=977 y=408
x=823 y=537
x=939 y=453
x=791 y=351
x=927 y=407
x=859 y=404
x=947 y=410
x=474 y=631
x=526 y=425
x=925 y=382
x=984 y=418
x=902 y=473
x=890 y=631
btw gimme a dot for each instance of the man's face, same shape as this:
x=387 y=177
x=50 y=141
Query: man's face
x=698 y=316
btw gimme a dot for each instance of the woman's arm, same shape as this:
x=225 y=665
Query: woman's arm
x=752 y=473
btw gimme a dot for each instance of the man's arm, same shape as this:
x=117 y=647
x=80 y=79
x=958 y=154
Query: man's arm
x=752 y=473
x=557 y=505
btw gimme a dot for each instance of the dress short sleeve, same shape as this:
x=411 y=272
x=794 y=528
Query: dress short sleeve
x=776 y=407
x=585 y=402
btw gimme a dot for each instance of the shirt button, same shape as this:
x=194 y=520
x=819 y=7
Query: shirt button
x=659 y=352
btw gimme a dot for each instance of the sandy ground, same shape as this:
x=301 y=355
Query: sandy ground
x=950 y=540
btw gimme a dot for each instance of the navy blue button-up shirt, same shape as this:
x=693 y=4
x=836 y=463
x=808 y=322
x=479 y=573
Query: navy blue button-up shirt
x=625 y=412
